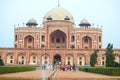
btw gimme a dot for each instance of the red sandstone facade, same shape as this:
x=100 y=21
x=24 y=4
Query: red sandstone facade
x=57 y=41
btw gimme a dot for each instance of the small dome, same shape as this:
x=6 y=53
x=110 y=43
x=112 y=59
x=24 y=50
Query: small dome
x=84 y=22
x=32 y=22
x=58 y=13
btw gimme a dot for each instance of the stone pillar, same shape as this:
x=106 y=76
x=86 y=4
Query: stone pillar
x=27 y=58
x=15 y=58
x=87 y=60
x=75 y=58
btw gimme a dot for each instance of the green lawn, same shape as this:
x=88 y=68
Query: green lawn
x=111 y=71
x=15 y=69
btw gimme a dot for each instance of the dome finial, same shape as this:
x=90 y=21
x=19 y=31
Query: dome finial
x=58 y=3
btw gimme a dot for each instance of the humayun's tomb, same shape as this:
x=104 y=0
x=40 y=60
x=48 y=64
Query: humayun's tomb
x=58 y=41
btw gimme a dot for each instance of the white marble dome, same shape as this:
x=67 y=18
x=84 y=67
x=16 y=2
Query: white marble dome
x=84 y=21
x=32 y=20
x=58 y=13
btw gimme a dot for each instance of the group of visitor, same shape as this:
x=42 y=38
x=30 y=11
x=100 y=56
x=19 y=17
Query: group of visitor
x=68 y=67
x=63 y=67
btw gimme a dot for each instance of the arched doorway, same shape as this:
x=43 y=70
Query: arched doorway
x=103 y=60
x=57 y=59
x=10 y=58
x=33 y=59
x=45 y=59
x=58 y=39
x=81 y=60
x=21 y=59
x=69 y=60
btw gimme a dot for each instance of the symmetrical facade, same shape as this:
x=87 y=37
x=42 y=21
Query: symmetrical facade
x=58 y=41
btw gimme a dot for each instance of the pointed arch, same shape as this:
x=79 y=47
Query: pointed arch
x=29 y=41
x=57 y=59
x=45 y=59
x=72 y=38
x=33 y=59
x=58 y=39
x=43 y=38
x=103 y=60
x=86 y=42
x=81 y=60
x=10 y=58
x=21 y=58
x=69 y=59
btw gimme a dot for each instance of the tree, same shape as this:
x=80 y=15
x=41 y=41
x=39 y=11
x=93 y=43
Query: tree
x=110 y=57
x=1 y=62
x=93 y=58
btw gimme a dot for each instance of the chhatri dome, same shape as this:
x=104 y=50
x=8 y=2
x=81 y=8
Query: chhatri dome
x=32 y=22
x=58 y=13
x=84 y=22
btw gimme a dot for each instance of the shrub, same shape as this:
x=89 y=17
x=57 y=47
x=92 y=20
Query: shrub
x=93 y=58
x=116 y=64
x=14 y=69
x=112 y=71
x=1 y=62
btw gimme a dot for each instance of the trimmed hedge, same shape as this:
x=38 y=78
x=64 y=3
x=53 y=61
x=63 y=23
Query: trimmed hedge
x=111 y=71
x=14 y=69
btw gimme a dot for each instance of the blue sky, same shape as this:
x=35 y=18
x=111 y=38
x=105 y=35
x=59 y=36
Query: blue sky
x=104 y=13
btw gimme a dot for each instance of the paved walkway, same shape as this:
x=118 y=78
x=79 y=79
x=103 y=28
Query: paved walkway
x=27 y=75
x=59 y=74
x=80 y=74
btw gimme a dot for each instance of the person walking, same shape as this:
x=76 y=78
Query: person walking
x=86 y=67
x=74 y=68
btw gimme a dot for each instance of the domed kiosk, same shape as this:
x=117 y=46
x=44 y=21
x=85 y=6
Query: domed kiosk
x=84 y=23
x=58 y=13
x=31 y=22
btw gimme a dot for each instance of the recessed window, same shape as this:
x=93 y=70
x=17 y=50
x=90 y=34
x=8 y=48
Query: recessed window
x=86 y=47
x=72 y=46
x=11 y=57
x=99 y=46
x=11 y=61
x=34 y=57
x=29 y=39
x=103 y=63
x=29 y=47
x=43 y=38
x=45 y=57
x=80 y=63
x=58 y=40
x=80 y=58
x=103 y=58
x=72 y=39
x=15 y=37
x=15 y=46
x=68 y=58
x=22 y=57
x=99 y=38
x=42 y=46
x=34 y=61
x=86 y=40
x=57 y=47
